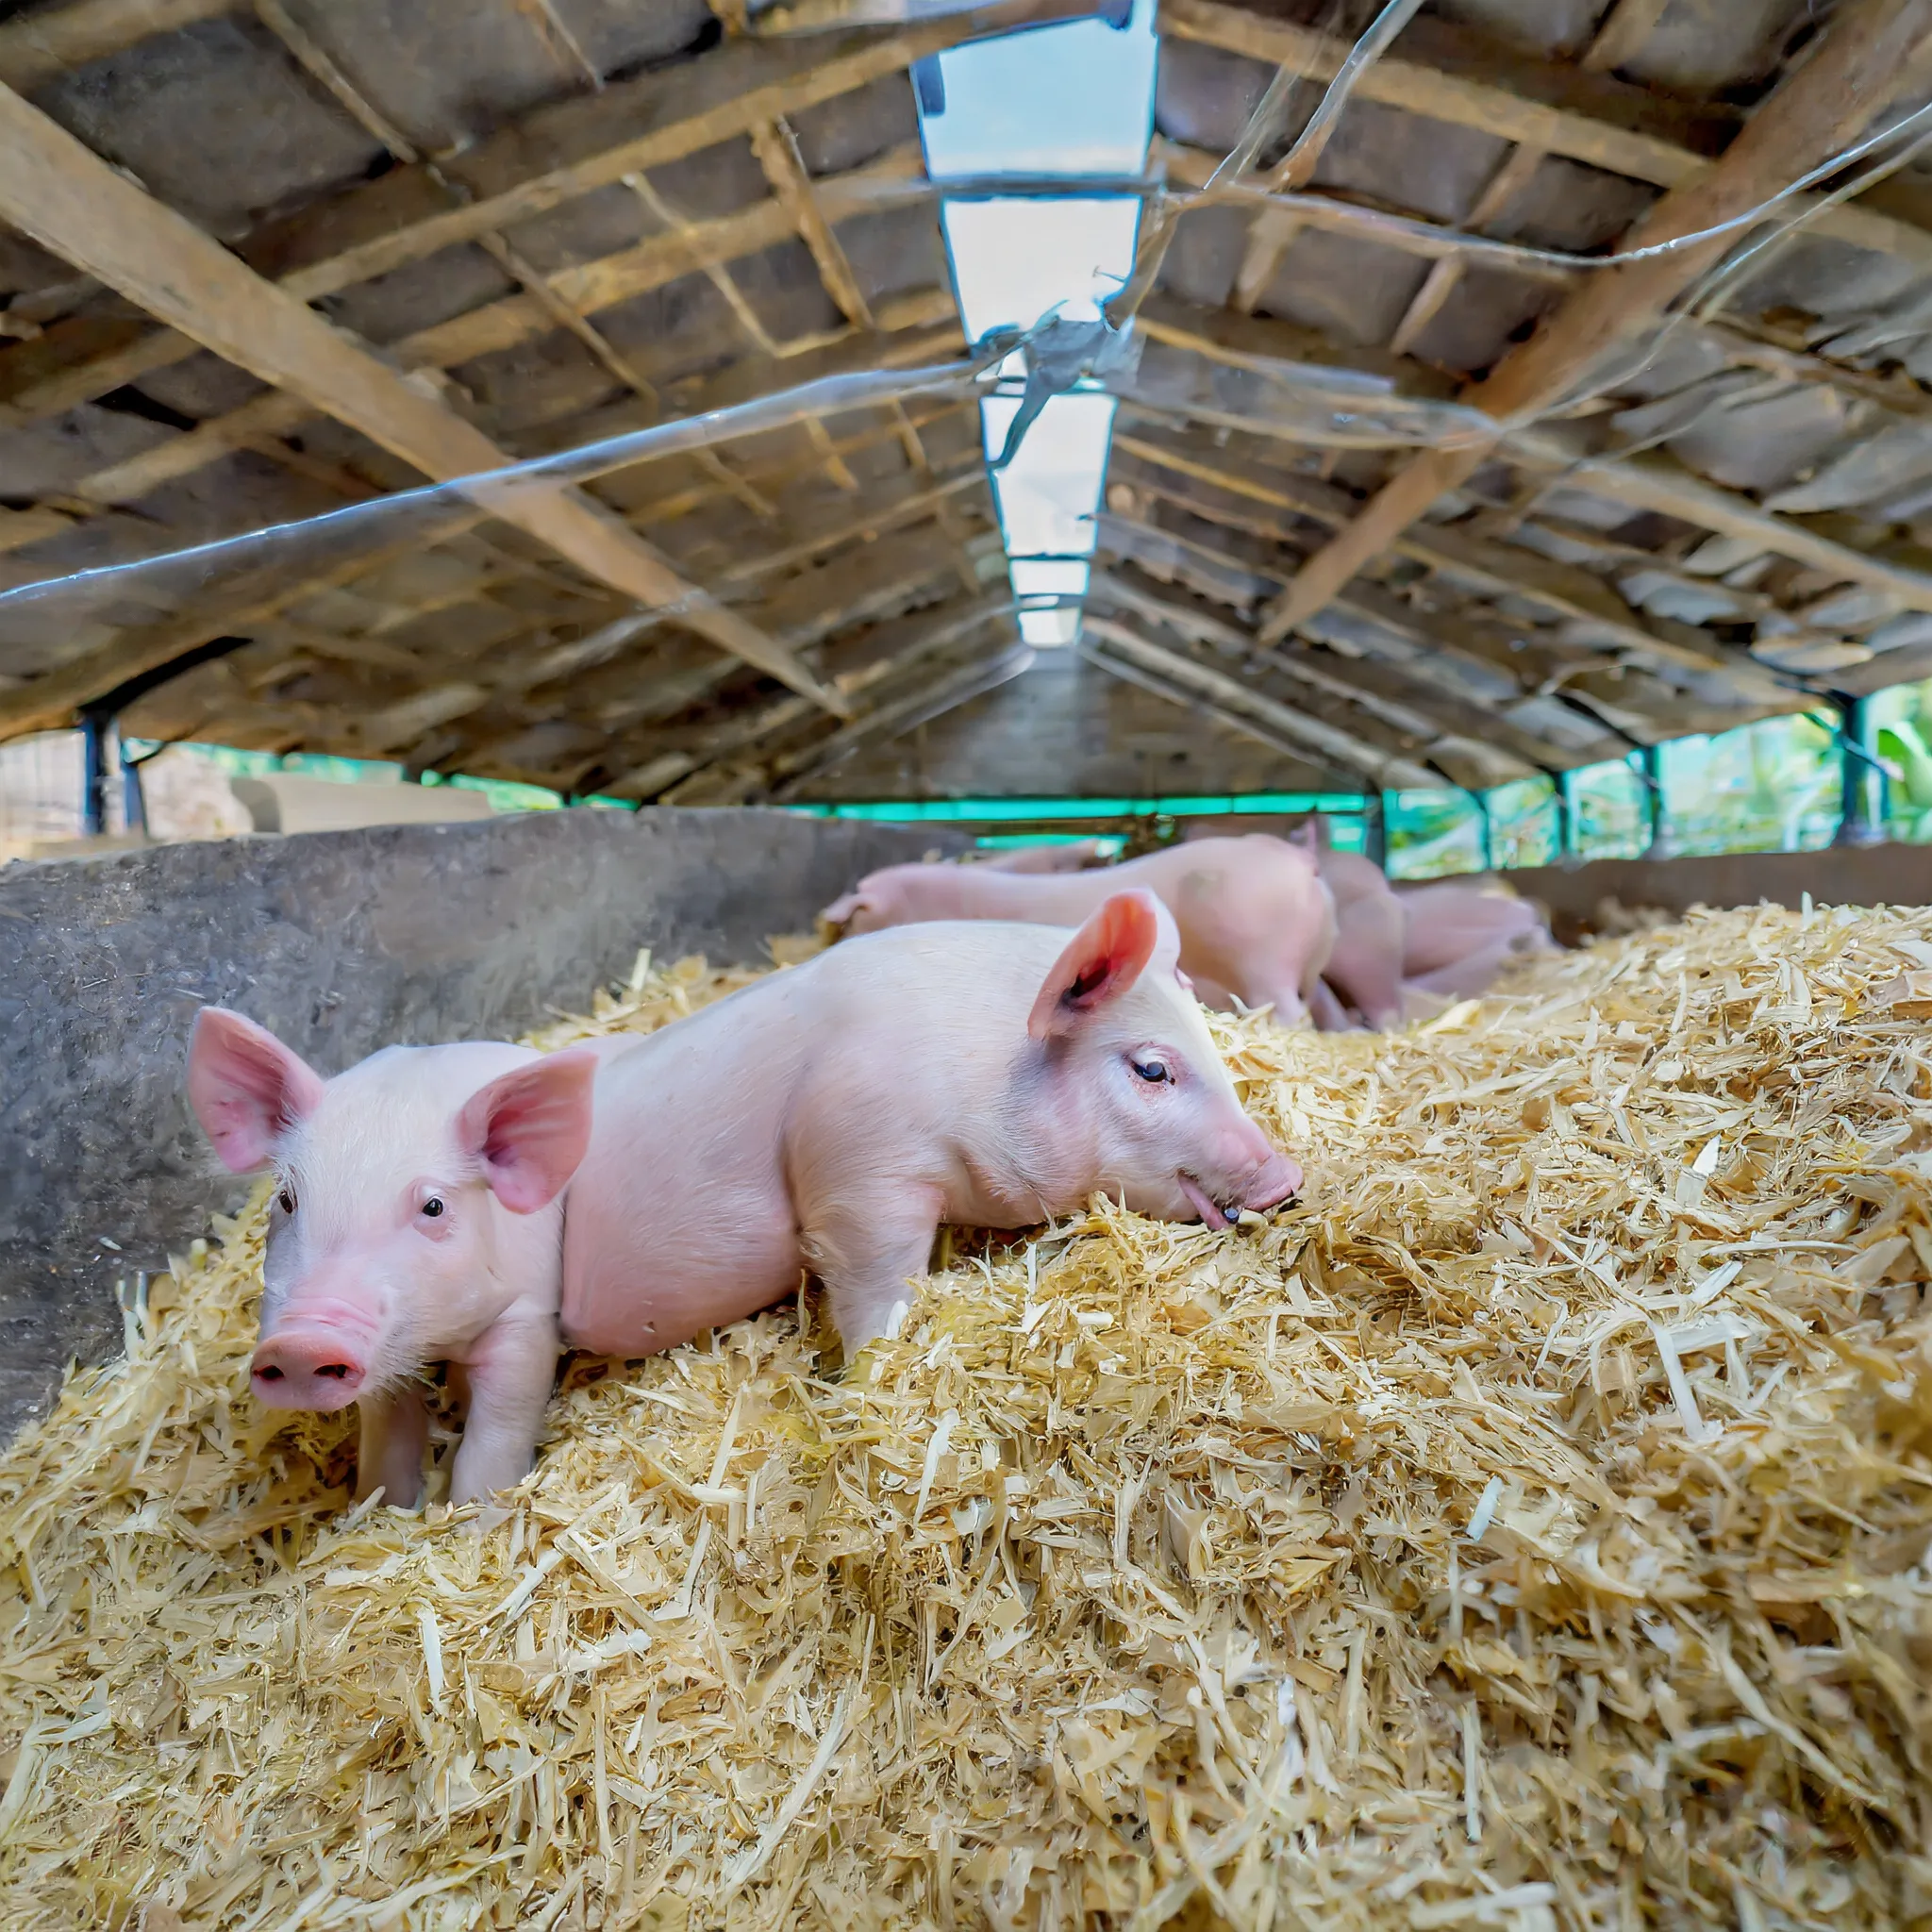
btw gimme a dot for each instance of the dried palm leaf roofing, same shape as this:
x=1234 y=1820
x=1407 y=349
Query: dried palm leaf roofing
x=267 y=262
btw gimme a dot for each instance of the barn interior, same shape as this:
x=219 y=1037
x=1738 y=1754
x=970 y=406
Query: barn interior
x=266 y=266
x=808 y=435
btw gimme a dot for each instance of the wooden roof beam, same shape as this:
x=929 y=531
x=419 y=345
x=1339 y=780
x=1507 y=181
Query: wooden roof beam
x=1421 y=710
x=878 y=655
x=1390 y=770
x=739 y=759
x=1623 y=33
x=51 y=700
x=533 y=283
x=853 y=669
x=1562 y=591
x=1523 y=655
x=866 y=521
x=803 y=614
x=1456 y=649
x=1198 y=707
x=549 y=157
x=1825 y=104
x=57 y=190
x=262 y=594
x=495 y=325
x=1647 y=482
x=48 y=43
x=1448 y=252
x=929 y=699
x=1447 y=73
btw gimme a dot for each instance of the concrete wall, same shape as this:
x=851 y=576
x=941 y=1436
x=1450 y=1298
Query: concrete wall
x=1844 y=875
x=340 y=942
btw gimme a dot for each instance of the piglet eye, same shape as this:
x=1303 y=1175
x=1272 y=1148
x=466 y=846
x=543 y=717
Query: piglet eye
x=432 y=1208
x=285 y=1200
x=1153 y=1072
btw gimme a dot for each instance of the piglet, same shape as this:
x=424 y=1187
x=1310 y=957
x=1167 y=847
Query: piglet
x=1255 y=920
x=831 y=1117
x=1461 y=933
x=828 y=1118
x=418 y=1219
x=1075 y=855
x=1366 y=964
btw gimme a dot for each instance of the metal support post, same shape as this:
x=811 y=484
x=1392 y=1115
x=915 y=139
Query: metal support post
x=1652 y=771
x=1375 y=827
x=133 y=798
x=96 y=727
x=1861 y=820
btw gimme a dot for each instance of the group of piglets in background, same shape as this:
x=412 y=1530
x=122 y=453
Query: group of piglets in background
x=488 y=1206
x=1291 y=924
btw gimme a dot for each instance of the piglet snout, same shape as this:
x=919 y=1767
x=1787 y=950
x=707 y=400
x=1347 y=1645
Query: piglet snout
x=1277 y=1179
x=308 y=1368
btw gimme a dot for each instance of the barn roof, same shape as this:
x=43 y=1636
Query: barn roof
x=1405 y=486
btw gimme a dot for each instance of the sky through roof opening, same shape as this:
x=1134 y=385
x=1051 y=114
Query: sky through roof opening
x=1074 y=100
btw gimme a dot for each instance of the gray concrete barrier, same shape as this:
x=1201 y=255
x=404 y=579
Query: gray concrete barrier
x=1841 y=875
x=340 y=942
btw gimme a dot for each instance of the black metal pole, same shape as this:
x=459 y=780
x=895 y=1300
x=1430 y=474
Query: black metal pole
x=133 y=799
x=1375 y=828
x=94 y=728
x=1652 y=773
x=1861 y=820
x=1566 y=819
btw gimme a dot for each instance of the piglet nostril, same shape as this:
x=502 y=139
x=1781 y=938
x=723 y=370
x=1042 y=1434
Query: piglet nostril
x=338 y=1371
x=270 y=1374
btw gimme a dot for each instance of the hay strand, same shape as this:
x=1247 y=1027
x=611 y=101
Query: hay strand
x=1528 y=1528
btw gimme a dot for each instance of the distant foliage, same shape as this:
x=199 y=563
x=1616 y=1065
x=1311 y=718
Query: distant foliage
x=1775 y=785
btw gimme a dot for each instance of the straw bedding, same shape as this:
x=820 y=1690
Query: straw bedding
x=1528 y=1528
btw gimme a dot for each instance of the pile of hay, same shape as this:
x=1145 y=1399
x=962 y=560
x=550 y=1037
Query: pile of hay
x=1529 y=1529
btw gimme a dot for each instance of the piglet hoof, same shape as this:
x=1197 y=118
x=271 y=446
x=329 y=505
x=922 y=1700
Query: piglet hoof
x=895 y=1321
x=1248 y=1219
x=491 y=1516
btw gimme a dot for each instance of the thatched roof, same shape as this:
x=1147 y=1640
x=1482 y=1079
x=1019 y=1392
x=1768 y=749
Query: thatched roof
x=532 y=224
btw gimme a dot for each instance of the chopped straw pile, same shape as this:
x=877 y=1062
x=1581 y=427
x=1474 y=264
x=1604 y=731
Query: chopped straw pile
x=1529 y=1529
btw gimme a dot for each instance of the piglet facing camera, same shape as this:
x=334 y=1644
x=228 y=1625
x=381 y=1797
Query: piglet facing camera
x=418 y=1220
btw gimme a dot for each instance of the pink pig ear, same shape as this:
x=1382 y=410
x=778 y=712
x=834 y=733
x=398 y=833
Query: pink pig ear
x=1101 y=962
x=531 y=1129
x=246 y=1088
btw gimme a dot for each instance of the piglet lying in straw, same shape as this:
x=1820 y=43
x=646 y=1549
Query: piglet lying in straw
x=1459 y=934
x=1255 y=920
x=1401 y=953
x=829 y=1117
x=1077 y=855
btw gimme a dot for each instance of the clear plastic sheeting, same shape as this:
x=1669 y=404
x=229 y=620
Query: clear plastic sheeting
x=1049 y=577
x=68 y=612
x=1074 y=99
x=1050 y=630
x=1070 y=105
x=1049 y=492
x=1333 y=408
x=781 y=17
x=1015 y=261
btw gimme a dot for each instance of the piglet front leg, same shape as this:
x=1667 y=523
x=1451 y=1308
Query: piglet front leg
x=510 y=1370
x=869 y=1251
x=389 y=1457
